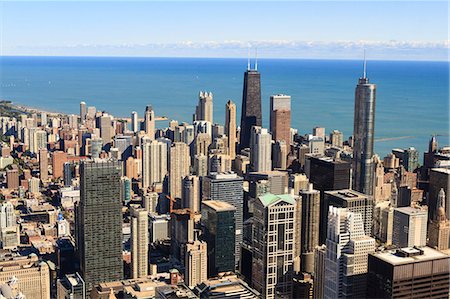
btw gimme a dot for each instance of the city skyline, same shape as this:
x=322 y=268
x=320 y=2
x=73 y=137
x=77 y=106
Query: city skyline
x=416 y=31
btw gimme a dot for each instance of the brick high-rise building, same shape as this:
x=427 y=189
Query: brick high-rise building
x=58 y=160
x=280 y=118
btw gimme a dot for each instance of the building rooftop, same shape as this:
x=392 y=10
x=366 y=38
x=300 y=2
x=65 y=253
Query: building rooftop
x=346 y=194
x=218 y=205
x=442 y=170
x=410 y=255
x=270 y=199
x=224 y=175
x=412 y=211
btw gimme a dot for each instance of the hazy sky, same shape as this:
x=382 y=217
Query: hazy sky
x=337 y=29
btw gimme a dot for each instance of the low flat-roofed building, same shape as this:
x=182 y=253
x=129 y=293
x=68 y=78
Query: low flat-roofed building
x=226 y=286
x=412 y=272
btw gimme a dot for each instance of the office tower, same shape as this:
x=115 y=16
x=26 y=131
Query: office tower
x=279 y=155
x=347 y=251
x=7 y=216
x=154 y=161
x=280 y=118
x=439 y=179
x=260 y=149
x=71 y=286
x=273 y=245
x=410 y=227
x=320 y=253
x=124 y=145
x=9 y=230
x=355 y=202
x=363 y=134
x=337 y=138
x=83 y=111
x=12 y=178
x=149 y=122
x=219 y=226
x=139 y=242
x=96 y=145
x=408 y=273
x=202 y=144
x=43 y=165
x=191 y=195
x=219 y=163
x=310 y=221
x=204 y=109
x=409 y=158
x=196 y=263
x=106 y=129
x=302 y=286
x=134 y=122
x=227 y=187
x=277 y=182
x=230 y=127
x=439 y=226
x=251 y=105
x=201 y=165
x=99 y=222
x=58 y=160
x=179 y=167
x=181 y=233
x=159 y=228
x=30 y=275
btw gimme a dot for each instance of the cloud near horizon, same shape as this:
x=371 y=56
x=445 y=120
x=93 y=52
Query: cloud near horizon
x=395 y=50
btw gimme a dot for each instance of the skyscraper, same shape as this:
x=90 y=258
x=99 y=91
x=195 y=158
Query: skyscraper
x=346 y=258
x=410 y=227
x=191 y=195
x=220 y=230
x=179 y=167
x=149 y=122
x=251 y=104
x=196 y=263
x=139 y=242
x=230 y=127
x=439 y=226
x=154 y=161
x=83 y=112
x=106 y=129
x=260 y=149
x=204 y=109
x=227 y=187
x=310 y=221
x=273 y=245
x=280 y=117
x=99 y=222
x=43 y=164
x=363 y=134
x=134 y=122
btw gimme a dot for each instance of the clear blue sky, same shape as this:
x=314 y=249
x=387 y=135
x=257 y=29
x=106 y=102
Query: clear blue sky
x=390 y=29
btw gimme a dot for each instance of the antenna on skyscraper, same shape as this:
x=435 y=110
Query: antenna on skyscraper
x=248 y=57
x=256 y=59
x=364 y=72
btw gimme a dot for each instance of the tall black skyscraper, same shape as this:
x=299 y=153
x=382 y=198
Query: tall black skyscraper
x=363 y=134
x=251 y=104
x=99 y=222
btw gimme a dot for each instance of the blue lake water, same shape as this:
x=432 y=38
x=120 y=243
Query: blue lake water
x=412 y=97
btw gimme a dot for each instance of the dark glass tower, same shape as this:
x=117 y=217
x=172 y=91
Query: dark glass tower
x=99 y=222
x=251 y=105
x=363 y=134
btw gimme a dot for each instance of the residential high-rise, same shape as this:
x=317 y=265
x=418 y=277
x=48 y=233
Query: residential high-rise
x=410 y=227
x=273 y=245
x=191 y=195
x=219 y=225
x=336 y=138
x=310 y=221
x=408 y=273
x=154 y=161
x=230 y=127
x=227 y=187
x=196 y=263
x=260 y=149
x=346 y=255
x=149 y=122
x=134 y=122
x=439 y=226
x=280 y=118
x=99 y=222
x=43 y=164
x=251 y=105
x=179 y=167
x=83 y=111
x=363 y=135
x=320 y=252
x=204 y=109
x=12 y=178
x=355 y=202
x=139 y=242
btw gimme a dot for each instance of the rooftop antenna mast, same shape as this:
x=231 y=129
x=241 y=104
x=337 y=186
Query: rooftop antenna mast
x=248 y=57
x=256 y=59
x=364 y=72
